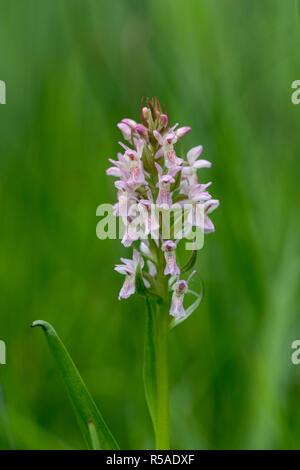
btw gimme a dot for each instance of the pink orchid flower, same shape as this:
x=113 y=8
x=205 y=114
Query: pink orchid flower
x=167 y=148
x=164 y=184
x=179 y=290
x=190 y=170
x=169 y=248
x=129 y=269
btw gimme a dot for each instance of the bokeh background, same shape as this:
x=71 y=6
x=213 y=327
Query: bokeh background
x=73 y=69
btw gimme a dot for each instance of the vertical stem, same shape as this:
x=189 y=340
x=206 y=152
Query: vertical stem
x=156 y=360
x=163 y=401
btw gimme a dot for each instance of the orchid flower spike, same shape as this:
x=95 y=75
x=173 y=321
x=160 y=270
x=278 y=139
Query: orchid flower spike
x=150 y=175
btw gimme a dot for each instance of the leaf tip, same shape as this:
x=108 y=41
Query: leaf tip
x=37 y=323
x=45 y=325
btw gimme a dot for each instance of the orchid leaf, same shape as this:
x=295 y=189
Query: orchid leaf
x=85 y=408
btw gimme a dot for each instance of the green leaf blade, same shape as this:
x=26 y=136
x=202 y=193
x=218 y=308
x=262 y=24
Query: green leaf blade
x=94 y=436
x=84 y=406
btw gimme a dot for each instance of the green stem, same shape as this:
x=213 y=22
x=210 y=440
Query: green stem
x=156 y=359
x=163 y=400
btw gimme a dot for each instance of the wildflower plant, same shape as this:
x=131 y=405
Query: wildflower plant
x=155 y=184
x=161 y=204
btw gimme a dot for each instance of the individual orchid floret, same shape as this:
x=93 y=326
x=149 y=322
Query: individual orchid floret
x=190 y=171
x=134 y=164
x=163 y=121
x=179 y=290
x=209 y=206
x=132 y=131
x=197 y=193
x=167 y=142
x=131 y=233
x=127 y=127
x=146 y=113
x=125 y=200
x=144 y=221
x=141 y=220
x=129 y=269
x=142 y=131
x=197 y=196
x=120 y=168
x=164 y=184
x=148 y=218
x=126 y=131
x=169 y=248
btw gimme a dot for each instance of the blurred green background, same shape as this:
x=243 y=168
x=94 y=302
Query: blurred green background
x=73 y=69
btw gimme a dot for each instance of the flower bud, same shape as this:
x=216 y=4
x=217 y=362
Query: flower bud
x=163 y=121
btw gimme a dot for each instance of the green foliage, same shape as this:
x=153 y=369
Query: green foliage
x=89 y=418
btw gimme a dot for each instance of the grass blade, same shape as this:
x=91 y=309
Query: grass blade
x=94 y=436
x=84 y=405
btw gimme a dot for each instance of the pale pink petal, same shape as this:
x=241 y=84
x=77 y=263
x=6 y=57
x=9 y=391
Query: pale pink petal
x=202 y=164
x=142 y=131
x=177 y=309
x=139 y=147
x=164 y=120
x=194 y=153
x=208 y=225
x=151 y=268
x=122 y=269
x=130 y=122
x=128 y=287
x=211 y=205
x=172 y=129
x=126 y=130
x=158 y=137
x=167 y=179
x=113 y=171
x=159 y=153
x=182 y=131
x=159 y=169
